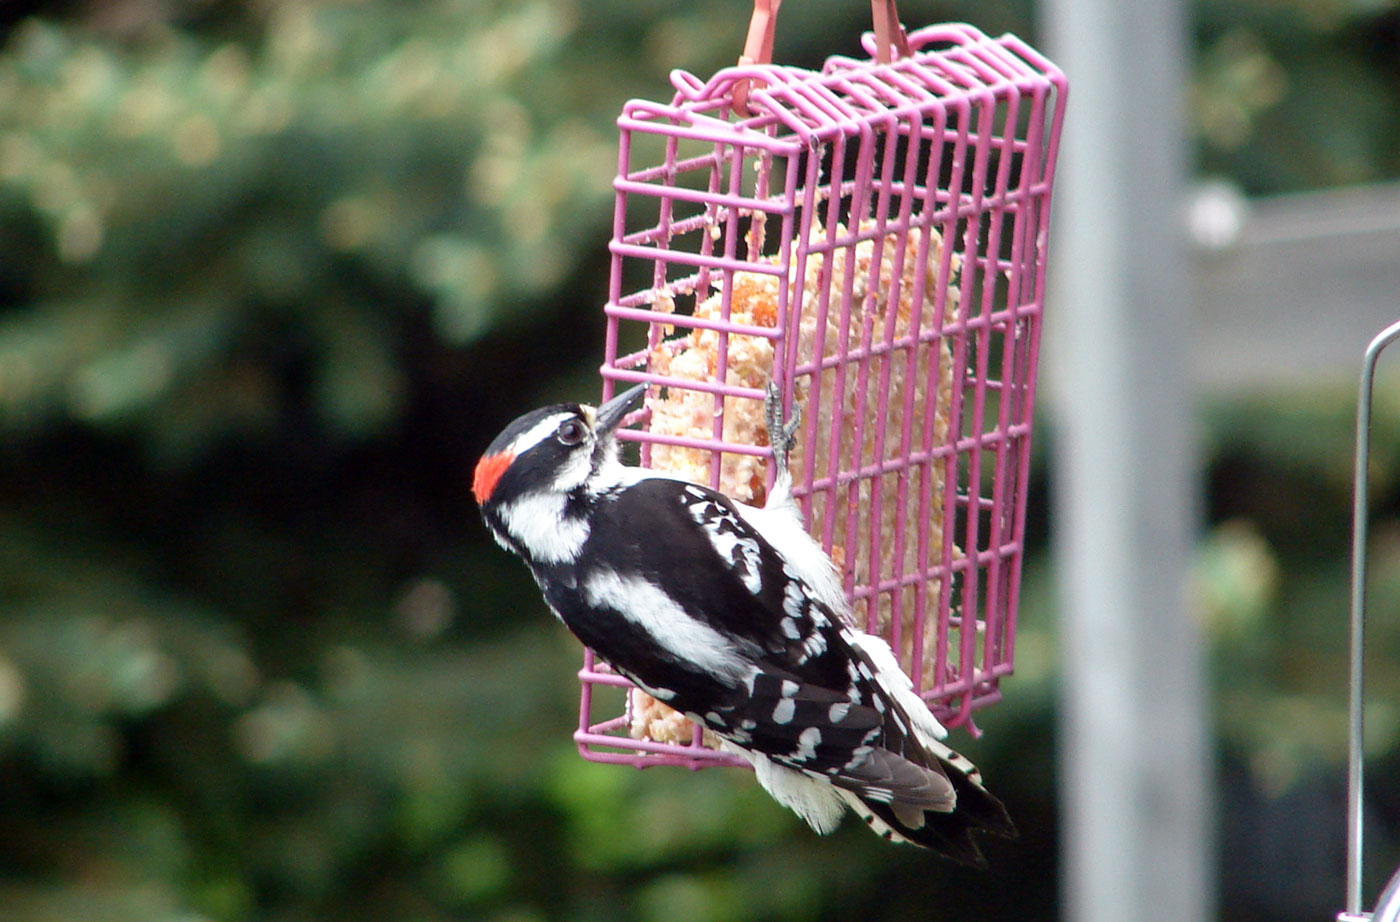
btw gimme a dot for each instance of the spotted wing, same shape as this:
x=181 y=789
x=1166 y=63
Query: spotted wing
x=804 y=696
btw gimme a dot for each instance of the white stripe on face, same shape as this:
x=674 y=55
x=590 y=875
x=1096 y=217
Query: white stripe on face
x=537 y=433
x=538 y=522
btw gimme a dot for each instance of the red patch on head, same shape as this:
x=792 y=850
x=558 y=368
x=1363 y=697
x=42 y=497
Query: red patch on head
x=489 y=470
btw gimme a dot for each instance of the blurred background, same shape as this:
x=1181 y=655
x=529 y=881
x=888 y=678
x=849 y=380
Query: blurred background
x=272 y=274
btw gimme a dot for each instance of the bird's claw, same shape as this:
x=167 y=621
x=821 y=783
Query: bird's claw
x=782 y=435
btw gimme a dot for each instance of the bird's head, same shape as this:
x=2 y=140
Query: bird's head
x=551 y=451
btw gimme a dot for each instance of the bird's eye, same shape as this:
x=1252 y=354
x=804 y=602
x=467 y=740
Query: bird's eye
x=571 y=431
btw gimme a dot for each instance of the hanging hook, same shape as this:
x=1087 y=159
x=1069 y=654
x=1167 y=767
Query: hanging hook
x=758 y=49
x=889 y=34
x=890 y=42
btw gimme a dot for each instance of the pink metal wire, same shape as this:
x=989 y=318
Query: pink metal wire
x=960 y=137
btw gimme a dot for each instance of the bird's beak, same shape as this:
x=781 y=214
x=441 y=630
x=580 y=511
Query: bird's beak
x=611 y=414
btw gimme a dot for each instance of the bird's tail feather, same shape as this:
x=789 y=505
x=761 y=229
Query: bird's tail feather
x=950 y=833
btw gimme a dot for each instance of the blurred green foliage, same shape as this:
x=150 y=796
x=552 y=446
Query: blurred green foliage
x=1297 y=94
x=270 y=276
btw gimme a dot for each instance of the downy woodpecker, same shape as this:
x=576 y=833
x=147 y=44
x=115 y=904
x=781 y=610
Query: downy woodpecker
x=734 y=616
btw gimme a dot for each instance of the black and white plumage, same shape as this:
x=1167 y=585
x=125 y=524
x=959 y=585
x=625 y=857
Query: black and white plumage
x=734 y=616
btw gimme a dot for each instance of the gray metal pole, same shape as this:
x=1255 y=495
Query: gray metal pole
x=1136 y=775
x=1389 y=905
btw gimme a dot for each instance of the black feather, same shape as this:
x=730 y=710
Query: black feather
x=800 y=692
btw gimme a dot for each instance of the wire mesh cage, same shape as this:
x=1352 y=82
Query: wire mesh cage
x=872 y=238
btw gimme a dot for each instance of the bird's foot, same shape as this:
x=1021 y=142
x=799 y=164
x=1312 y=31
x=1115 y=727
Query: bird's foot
x=782 y=435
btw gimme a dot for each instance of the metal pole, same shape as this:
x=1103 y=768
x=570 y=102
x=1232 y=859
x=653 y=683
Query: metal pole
x=1136 y=774
x=1356 y=728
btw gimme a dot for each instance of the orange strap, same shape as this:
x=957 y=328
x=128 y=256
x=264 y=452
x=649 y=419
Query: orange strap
x=890 y=41
x=889 y=34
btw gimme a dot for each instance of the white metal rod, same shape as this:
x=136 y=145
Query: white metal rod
x=1356 y=728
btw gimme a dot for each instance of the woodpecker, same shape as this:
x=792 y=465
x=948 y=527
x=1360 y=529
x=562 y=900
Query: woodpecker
x=734 y=616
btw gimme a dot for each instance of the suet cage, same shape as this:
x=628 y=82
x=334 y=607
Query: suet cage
x=871 y=237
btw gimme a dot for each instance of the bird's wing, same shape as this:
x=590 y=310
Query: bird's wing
x=798 y=692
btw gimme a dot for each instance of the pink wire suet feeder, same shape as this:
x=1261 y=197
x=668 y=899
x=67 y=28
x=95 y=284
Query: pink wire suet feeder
x=872 y=238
